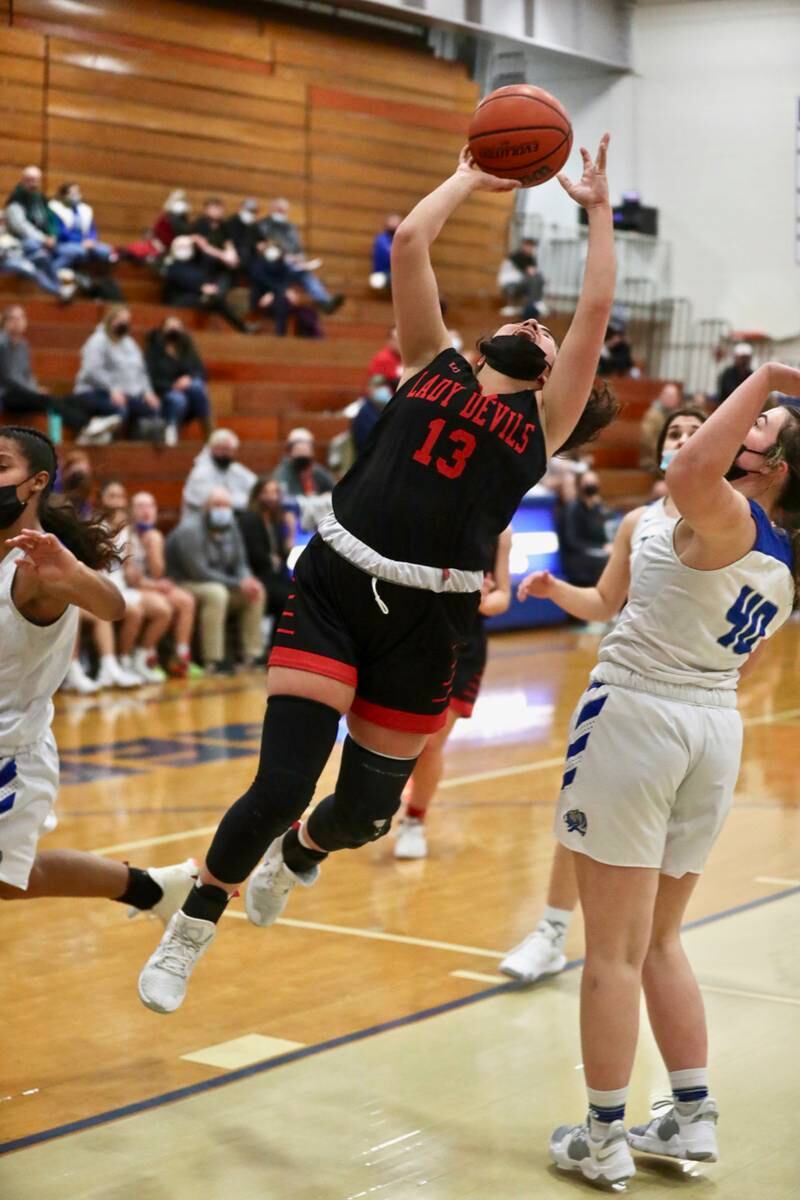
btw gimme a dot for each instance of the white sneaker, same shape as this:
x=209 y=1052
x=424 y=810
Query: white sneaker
x=269 y=886
x=165 y=976
x=76 y=680
x=141 y=663
x=606 y=1160
x=171 y=435
x=175 y=881
x=410 y=841
x=113 y=674
x=99 y=430
x=540 y=953
x=687 y=1131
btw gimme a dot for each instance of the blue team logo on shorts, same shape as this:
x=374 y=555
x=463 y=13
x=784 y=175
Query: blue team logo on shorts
x=575 y=821
x=8 y=785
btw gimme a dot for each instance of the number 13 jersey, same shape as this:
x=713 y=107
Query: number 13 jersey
x=444 y=469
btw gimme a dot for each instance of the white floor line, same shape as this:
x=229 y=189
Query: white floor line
x=478 y=978
x=542 y=764
x=377 y=935
x=776 y=880
x=726 y=991
x=163 y=840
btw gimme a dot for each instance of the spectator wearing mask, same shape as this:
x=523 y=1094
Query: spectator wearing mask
x=242 y=231
x=33 y=263
x=191 y=281
x=275 y=292
x=276 y=227
x=381 y=277
x=739 y=370
x=148 y=558
x=113 y=380
x=521 y=282
x=28 y=215
x=210 y=233
x=216 y=467
x=298 y=473
x=616 y=357
x=378 y=395
x=582 y=534
x=668 y=399
x=269 y=533
x=171 y=221
x=206 y=555
x=387 y=361
x=178 y=376
x=77 y=239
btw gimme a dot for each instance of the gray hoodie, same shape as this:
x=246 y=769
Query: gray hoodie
x=205 y=476
x=112 y=365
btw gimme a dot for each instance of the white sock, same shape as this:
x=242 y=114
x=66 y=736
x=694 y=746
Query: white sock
x=182 y=650
x=605 y=1107
x=108 y=660
x=559 y=918
x=689 y=1086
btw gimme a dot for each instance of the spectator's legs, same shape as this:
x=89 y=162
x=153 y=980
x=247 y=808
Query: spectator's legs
x=212 y=599
x=249 y=614
x=98 y=403
x=183 y=610
x=199 y=403
x=25 y=269
x=19 y=399
x=220 y=305
x=157 y=617
x=174 y=408
x=130 y=626
x=315 y=287
x=103 y=252
x=68 y=255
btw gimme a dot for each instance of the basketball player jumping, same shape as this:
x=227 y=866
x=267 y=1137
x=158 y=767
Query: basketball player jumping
x=652 y=762
x=390 y=585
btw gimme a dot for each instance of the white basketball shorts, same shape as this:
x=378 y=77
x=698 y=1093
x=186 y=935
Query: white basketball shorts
x=648 y=779
x=28 y=788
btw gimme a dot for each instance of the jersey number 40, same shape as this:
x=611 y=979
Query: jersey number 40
x=749 y=615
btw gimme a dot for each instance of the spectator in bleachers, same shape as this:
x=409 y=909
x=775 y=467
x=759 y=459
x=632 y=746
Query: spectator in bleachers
x=668 y=399
x=113 y=380
x=75 y=481
x=191 y=281
x=33 y=262
x=216 y=467
x=734 y=374
x=21 y=395
x=77 y=239
x=583 y=534
x=210 y=234
x=298 y=473
x=275 y=292
x=172 y=221
x=148 y=556
x=387 y=361
x=138 y=642
x=206 y=555
x=375 y=399
x=28 y=215
x=178 y=377
x=276 y=227
x=242 y=231
x=381 y=277
x=521 y=282
x=269 y=533
x=616 y=357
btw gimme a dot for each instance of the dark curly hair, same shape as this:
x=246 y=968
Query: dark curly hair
x=601 y=409
x=90 y=541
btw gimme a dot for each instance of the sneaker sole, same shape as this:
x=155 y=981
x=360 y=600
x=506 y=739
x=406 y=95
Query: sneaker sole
x=512 y=974
x=599 y=1178
x=642 y=1146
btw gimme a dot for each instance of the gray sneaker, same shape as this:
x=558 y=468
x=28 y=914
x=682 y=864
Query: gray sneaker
x=165 y=977
x=607 y=1160
x=269 y=886
x=679 y=1130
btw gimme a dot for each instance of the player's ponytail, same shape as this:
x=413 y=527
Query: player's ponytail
x=601 y=409
x=90 y=541
x=787 y=449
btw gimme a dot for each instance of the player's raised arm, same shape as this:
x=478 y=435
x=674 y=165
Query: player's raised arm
x=421 y=330
x=736 y=436
x=568 y=388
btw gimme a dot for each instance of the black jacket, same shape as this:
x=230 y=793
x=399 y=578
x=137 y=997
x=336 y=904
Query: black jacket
x=164 y=368
x=266 y=557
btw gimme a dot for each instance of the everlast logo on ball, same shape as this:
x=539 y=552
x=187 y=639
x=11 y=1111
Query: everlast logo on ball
x=536 y=176
x=506 y=150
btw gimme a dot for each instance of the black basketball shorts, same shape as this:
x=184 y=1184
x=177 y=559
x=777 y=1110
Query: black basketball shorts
x=401 y=661
x=470 y=665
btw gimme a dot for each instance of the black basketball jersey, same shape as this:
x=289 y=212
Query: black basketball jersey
x=444 y=469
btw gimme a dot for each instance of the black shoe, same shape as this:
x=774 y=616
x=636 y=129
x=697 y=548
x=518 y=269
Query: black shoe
x=330 y=306
x=223 y=667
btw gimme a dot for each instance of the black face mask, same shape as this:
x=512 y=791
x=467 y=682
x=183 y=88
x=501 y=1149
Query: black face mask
x=121 y=329
x=223 y=461
x=11 y=507
x=514 y=355
x=302 y=462
x=75 y=480
x=591 y=490
x=733 y=472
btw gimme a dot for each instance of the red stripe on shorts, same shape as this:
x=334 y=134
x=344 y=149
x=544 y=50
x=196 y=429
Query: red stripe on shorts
x=396 y=718
x=317 y=664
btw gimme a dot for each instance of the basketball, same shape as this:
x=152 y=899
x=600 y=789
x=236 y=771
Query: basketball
x=520 y=132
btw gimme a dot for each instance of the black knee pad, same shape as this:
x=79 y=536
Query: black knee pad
x=296 y=743
x=368 y=794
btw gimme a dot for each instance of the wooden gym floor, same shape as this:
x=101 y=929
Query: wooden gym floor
x=366 y=1045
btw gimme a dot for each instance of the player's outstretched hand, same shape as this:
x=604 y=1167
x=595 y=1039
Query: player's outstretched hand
x=480 y=180
x=45 y=557
x=591 y=190
x=538 y=585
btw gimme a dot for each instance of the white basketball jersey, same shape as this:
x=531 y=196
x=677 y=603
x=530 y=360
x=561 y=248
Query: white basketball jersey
x=654 y=518
x=33 y=662
x=693 y=628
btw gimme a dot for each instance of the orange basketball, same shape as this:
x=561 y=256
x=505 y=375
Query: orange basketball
x=520 y=132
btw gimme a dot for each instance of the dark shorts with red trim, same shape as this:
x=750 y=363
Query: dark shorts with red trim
x=401 y=662
x=470 y=665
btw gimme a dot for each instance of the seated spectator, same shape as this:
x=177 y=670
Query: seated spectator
x=668 y=399
x=111 y=673
x=138 y=643
x=75 y=481
x=21 y=395
x=387 y=361
x=739 y=370
x=298 y=473
x=28 y=215
x=171 y=222
x=269 y=533
x=381 y=277
x=192 y=281
x=113 y=380
x=276 y=227
x=178 y=376
x=34 y=263
x=374 y=401
x=616 y=357
x=242 y=231
x=275 y=292
x=582 y=534
x=521 y=282
x=148 y=573
x=216 y=467
x=77 y=240
x=210 y=234
x=206 y=555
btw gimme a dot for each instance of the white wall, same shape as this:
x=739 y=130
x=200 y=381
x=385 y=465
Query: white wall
x=716 y=93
